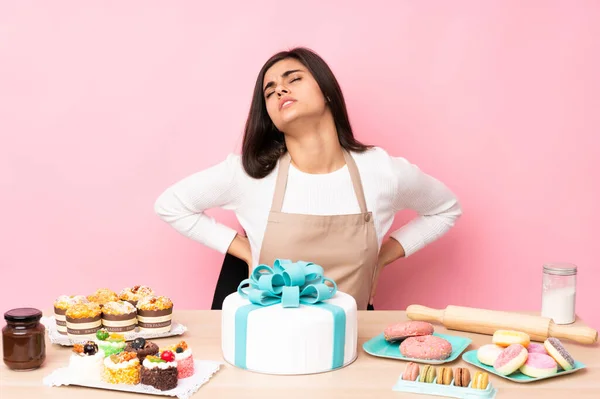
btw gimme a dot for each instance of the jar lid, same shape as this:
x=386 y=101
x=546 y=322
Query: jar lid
x=23 y=315
x=560 y=269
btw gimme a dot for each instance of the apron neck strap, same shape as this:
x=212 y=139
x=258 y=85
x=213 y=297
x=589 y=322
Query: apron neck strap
x=282 y=177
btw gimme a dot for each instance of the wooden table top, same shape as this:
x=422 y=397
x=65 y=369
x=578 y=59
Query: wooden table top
x=368 y=376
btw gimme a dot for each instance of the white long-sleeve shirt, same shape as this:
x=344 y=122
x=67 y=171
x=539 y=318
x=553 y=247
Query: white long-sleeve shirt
x=390 y=184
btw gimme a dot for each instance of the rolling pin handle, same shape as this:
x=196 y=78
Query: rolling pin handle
x=581 y=334
x=423 y=313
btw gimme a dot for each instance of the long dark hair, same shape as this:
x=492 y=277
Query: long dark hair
x=263 y=143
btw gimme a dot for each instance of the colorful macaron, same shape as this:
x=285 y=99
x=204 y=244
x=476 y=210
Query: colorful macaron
x=411 y=372
x=462 y=377
x=444 y=375
x=427 y=374
x=480 y=380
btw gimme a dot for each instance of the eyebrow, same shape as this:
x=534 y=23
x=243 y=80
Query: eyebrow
x=283 y=75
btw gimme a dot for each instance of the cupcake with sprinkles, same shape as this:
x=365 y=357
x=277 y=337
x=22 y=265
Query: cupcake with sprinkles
x=61 y=305
x=154 y=314
x=110 y=343
x=160 y=371
x=184 y=358
x=102 y=296
x=119 y=316
x=123 y=368
x=83 y=321
x=135 y=293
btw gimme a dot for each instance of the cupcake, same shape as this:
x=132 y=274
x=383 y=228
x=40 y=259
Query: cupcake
x=119 y=316
x=102 y=296
x=160 y=372
x=154 y=314
x=135 y=293
x=184 y=358
x=83 y=320
x=61 y=305
x=142 y=348
x=86 y=362
x=110 y=343
x=123 y=368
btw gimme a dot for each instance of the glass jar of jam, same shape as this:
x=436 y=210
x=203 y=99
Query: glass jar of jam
x=23 y=339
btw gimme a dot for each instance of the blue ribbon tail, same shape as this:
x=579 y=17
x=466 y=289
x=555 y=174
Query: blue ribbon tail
x=339 y=333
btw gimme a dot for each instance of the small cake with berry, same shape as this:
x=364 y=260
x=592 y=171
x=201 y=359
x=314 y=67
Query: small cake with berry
x=160 y=371
x=135 y=293
x=86 y=362
x=154 y=314
x=120 y=316
x=123 y=368
x=61 y=305
x=142 y=348
x=185 y=360
x=102 y=296
x=110 y=343
x=83 y=320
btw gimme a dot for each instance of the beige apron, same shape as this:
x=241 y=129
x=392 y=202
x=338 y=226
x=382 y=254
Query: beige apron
x=344 y=245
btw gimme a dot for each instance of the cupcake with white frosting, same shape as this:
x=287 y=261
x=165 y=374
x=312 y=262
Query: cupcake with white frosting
x=86 y=362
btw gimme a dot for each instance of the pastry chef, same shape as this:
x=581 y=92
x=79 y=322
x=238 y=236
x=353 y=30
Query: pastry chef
x=304 y=188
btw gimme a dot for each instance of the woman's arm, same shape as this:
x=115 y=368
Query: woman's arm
x=183 y=205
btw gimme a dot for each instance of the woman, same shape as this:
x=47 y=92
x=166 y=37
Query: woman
x=305 y=189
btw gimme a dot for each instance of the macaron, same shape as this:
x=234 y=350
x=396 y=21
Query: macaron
x=411 y=372
x=559 y=353
x=413 y=328
x=444 y=375
x=427 y=374
x=480 y=380
x=539 y=365
x=511 y=359
x=487 y=354
x=462 y=377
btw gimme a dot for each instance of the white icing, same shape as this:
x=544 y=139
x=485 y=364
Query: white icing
x=119 y=308
x=115 y=345
x=86 y=368
x=183 y=355
x=123 y=365
x=163 y=366
x=289 y=340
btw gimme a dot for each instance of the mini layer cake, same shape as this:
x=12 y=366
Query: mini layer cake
x=160 y=372
x=135 y=293
x=86 y=362
x=61 y=305
x=184 y=358
x=154 y=314
x=102 y=296
x=123 y=368
x=119 y=316
x=142 y=348
x=110 y=343
x=83 y=320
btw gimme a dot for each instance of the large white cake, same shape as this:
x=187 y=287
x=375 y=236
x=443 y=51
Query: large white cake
x=290 y=340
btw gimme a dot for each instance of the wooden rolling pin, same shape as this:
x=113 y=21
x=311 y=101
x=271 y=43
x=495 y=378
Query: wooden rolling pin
x=485 y=321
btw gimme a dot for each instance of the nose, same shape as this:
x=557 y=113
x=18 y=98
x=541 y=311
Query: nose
x=281 y=90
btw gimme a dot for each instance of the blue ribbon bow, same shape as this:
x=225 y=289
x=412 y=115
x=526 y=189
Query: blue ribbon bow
x=289 y=283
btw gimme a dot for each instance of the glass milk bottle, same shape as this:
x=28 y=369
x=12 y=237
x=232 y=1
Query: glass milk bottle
x=558 y=292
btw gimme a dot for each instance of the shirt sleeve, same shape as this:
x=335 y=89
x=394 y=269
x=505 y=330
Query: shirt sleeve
x=437 y=207
x=183 y=205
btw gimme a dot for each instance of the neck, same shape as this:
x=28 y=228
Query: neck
x=315 y=147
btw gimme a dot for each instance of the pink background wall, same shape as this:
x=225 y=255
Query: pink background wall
x=102 y=107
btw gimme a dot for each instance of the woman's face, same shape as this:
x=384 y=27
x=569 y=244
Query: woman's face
x=291 y=93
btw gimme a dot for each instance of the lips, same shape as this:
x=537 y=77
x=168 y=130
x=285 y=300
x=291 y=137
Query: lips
x=286 y=102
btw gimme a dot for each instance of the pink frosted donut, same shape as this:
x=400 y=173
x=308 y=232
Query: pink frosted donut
x=400 y=331
x=429 y=347
x=539 y=365
x=537 y=348
x=511 y=359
